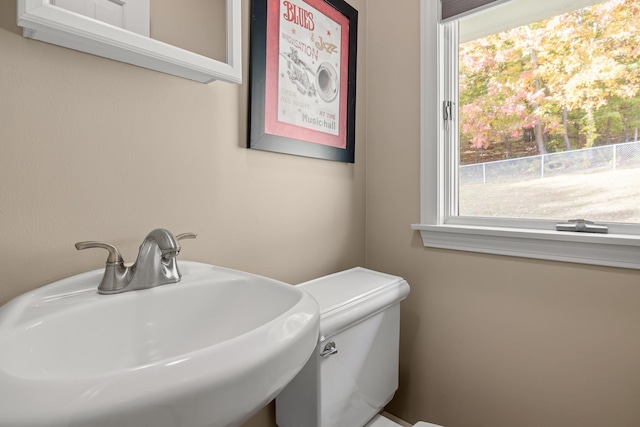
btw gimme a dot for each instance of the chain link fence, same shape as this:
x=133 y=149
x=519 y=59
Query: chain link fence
x=587 y=160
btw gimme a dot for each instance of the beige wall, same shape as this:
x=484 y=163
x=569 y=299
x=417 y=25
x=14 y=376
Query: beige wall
x=486 y=341
x=95 y=149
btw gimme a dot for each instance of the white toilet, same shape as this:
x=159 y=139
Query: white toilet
x=353 y=372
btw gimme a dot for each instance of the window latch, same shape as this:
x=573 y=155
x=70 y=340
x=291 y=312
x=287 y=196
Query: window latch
x=447 y=113
x=582 y=226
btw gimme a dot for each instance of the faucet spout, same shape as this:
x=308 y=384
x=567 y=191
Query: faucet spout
x=156 y=264
x=167 y=244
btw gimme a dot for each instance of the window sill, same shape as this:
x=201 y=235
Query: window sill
x=612 y=250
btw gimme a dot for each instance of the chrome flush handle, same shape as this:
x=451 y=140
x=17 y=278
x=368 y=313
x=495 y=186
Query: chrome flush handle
x=329 y=350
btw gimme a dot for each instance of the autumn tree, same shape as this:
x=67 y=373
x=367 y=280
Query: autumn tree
x=533 y=78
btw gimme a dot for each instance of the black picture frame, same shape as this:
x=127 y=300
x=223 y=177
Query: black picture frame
x=333 y=119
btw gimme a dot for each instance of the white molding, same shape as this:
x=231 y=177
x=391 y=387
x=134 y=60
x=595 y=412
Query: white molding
x=519 y=238
x=504 y=15
x=584 y=248
x=42 y=21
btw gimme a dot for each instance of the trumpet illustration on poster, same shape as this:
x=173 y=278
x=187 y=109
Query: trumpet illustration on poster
x=323 y=81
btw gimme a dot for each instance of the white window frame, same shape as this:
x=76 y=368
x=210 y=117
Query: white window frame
x=522 y=238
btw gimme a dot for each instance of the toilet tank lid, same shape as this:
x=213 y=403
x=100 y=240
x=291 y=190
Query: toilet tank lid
x=352 y=295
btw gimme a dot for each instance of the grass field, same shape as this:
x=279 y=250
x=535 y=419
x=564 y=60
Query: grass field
x=605 y=196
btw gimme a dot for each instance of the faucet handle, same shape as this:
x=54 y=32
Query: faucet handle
x=186 y=236
x=114 y=255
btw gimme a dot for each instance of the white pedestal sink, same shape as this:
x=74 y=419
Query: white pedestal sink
x=208 y=351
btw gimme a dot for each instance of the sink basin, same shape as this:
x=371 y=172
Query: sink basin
x=208 y=351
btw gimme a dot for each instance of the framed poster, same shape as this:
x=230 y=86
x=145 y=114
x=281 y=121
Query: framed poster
x=302 y=92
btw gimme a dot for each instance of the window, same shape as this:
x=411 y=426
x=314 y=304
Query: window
x=533 y=122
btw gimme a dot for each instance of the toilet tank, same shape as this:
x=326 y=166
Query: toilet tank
x=360 y=320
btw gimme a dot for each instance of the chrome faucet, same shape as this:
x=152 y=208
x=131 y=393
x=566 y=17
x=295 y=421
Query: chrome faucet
x=155 y=266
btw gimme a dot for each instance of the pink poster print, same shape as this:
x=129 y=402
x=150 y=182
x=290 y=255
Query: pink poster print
x=306 y=76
